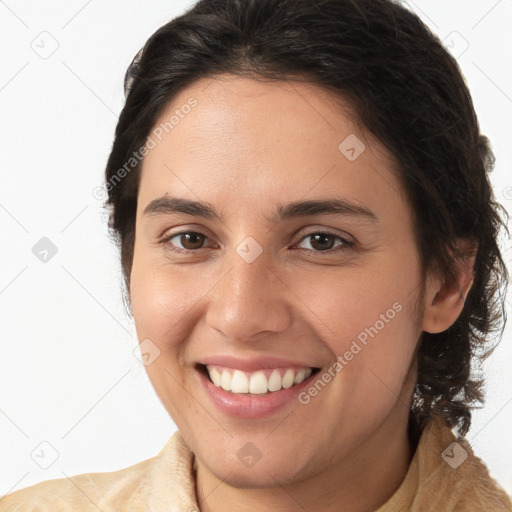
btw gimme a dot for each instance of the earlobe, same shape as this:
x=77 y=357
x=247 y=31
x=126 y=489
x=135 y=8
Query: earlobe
x=445 y=298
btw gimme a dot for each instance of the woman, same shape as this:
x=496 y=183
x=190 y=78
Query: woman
x=309 y=243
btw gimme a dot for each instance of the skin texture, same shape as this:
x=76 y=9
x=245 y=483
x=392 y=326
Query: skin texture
x=245 y=148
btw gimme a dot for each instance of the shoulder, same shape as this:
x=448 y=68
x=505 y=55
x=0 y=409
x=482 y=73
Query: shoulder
x=481 y=490
x=88 y=491
x=456 y=477
x=127 y=488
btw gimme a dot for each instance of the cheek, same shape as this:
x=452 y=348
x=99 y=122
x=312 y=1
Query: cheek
x=165 y=308
x=164 y=300
x=361 y=304
x=368 y=318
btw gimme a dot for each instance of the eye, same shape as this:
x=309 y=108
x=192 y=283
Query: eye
x=319 y=242
x=326 y=242
x=189 y=240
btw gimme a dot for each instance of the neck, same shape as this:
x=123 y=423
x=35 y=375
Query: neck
x=363 y=481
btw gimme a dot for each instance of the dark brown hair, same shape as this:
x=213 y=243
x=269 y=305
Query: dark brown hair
x=406 y=89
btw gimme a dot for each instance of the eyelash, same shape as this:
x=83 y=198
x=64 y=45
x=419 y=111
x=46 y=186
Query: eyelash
x=344 y=246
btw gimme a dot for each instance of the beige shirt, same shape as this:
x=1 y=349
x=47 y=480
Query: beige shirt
x=166 y=483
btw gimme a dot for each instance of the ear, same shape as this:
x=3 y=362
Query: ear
x=444 y=299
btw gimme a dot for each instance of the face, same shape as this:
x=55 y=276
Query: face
x=274 y=250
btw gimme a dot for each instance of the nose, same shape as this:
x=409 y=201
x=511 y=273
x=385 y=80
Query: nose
x=251 y=299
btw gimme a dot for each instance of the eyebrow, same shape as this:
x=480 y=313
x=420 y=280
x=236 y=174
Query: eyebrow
x=338 y=206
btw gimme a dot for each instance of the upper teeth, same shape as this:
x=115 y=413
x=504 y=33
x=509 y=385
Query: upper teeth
x=238 y=381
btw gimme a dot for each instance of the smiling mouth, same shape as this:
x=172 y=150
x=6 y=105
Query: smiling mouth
x=257 y=383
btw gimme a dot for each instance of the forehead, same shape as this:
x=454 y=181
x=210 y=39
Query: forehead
x=251 y=114
x=240 y=137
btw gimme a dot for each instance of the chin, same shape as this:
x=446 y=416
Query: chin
x=260 y=477
x=265 y=473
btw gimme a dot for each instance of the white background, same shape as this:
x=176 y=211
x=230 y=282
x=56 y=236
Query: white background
x=68 y=375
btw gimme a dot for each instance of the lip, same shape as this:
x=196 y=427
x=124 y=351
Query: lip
x=252 y=406
x=253 y=364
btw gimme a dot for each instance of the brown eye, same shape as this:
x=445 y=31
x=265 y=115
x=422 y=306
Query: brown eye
x=322 y=241
x=325 y=242
x=189 y=241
